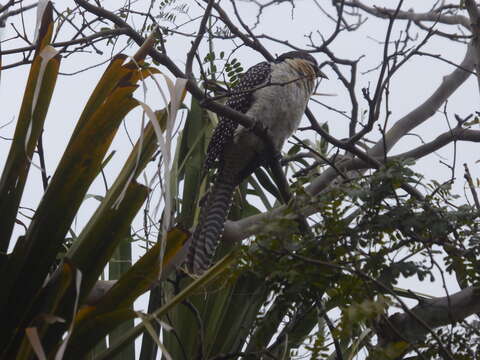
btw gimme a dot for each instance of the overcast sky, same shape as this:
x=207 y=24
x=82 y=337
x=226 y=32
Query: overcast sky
x=410 y=86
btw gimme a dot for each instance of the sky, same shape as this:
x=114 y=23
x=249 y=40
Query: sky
x=409 y=87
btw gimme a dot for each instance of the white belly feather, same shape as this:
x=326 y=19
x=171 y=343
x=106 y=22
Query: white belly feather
x=280 y=107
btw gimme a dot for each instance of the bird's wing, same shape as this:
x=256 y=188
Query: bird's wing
x=240 y=100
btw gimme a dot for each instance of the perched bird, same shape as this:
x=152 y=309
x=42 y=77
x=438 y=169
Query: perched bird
x=272 y=93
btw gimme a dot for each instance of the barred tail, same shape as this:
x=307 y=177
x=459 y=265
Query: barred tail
x=209 y=230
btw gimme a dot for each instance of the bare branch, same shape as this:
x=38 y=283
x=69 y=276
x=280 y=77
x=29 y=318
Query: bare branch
x=471 y=185
x=5 y=16
x=474 y=14
x=105 y=34
x=163 y=59
x=235 y=231
x=435 y=313
x=201 y=31
x=252 y=43
x=426 y=110
x=385 y=13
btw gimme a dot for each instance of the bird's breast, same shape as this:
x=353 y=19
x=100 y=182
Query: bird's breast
x=280 y=105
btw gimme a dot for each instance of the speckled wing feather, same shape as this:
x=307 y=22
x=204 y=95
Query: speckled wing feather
x=240 y=100
x=215 y=211
x=280 y=109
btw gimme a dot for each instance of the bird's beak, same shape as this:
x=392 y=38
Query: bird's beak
x=320 y=74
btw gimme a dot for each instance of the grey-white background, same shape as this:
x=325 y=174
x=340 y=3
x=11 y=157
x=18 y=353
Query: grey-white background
x=409 y=87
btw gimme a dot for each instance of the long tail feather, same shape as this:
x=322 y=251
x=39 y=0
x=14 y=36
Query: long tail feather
x=209 y=230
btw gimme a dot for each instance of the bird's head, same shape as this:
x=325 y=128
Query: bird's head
x=304 y=56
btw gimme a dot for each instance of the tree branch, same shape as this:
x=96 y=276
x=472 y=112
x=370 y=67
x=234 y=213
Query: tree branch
x=385 y=13
x=5 y=16
x=474 y=14
x=235 y=231
x=102 y=34
x=403 y=126
x=435 y=312
x=163 y=59
x=198 y=40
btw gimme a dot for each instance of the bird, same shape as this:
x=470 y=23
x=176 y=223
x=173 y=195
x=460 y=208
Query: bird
x=274 y=93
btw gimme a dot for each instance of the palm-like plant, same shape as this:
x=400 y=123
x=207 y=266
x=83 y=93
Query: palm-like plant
x=272 y=302
x=38 y=306
x=52 y=309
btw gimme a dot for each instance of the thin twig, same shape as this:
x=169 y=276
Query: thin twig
x=198 y=40
x=471 y=185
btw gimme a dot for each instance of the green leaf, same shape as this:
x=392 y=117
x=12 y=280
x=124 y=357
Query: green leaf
x=215 y=271
x=94 y=246
x=51 y=299
x=265 y=181
x=191 y=160
x=118 y=264
x=60 y=203
x=35 y=104
x=138 y=279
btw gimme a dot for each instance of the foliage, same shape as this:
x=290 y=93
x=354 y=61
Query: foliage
x=351 y=258
x=318 y=275
x=33 y=308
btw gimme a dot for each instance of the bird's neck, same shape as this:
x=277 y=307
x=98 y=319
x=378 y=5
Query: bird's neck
x=306 y=73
